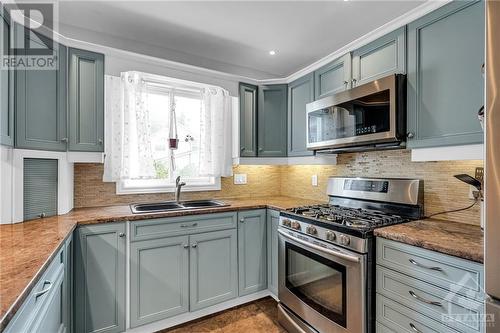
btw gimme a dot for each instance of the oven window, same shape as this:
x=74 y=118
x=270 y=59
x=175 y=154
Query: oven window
x=319 y=282
x=366 y=115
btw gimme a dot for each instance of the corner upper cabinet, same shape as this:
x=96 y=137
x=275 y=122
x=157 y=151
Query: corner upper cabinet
x=271 y=115
x=333 y=77
x=248 y=120
x=445 y=84
x=300 y=92
x=6 y=91
x=86 y=101
x=382 y=57
x=41 y=99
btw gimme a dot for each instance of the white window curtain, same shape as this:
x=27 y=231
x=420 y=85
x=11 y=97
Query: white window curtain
x=128 y=145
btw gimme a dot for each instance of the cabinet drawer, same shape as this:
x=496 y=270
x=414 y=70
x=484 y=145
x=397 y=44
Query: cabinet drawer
x=462 y=276
x=379 y=328
x=25 y=318
x=399 y=318
x=465 y=314
x=184 y=225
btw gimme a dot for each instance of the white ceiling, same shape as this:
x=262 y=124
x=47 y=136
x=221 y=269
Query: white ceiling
x=229 y=36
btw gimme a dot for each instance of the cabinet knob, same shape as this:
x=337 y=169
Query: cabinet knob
x=186 y=246
x=242 y=220
x=354 y=81
x=261 y=149
x=100 y=141
x=410 y=135
x=194 y=245
x=64 y=140
x=242 y=148
x=346 y=83
x=121 y=234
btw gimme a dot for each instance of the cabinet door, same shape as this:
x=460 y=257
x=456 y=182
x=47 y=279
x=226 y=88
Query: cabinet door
x=41 y=102
x=86 y=101
x=51 y=316
x=382 y=57
x=333 y=77
x=272 y=250
x=6 y=91
x=252 y=251
x=445 y=84
x=100 y=278
x=271 y=117
x=213 y=268
x=68 y=289
x=159 y=279
x=248 y=120
x=300 y=92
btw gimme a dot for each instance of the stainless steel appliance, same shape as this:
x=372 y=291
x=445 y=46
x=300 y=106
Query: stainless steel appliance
x=371 y=116
x=326 y=253
x=492 y=168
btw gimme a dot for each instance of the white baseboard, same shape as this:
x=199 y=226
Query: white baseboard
x=185 y=317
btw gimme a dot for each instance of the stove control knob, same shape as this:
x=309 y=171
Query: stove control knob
x=311 y=230
x=330 y=235
x=286 y=222
x=344 y=240
x=295 y=225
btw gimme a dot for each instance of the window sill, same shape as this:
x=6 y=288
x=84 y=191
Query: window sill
x=124 y=189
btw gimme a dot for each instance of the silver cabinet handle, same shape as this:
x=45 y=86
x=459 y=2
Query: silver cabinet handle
x=41 y=215
x=410 y=135
x=354 y=81
x=194 y=245
x=192 y=225
x=414 y=328
x=121 y=234
x=44 y=291
x=186 y=246
x=346 y=83
x=421 y=299
x=439 y=269
x=64 y=139
x=242 y=220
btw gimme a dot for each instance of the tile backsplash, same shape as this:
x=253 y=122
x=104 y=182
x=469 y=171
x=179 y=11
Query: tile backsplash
x=442 y=190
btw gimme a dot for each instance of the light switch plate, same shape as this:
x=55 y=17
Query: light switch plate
x=240 y=178
x=314 y=180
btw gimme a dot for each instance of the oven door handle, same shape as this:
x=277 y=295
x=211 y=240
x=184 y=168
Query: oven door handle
x=320 y=248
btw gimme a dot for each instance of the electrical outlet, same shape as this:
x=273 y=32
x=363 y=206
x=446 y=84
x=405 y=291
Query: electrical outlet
x=240 y=178
x=314 y=180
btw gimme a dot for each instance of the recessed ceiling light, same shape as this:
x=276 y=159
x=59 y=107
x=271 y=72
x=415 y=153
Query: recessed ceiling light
x=272 y=52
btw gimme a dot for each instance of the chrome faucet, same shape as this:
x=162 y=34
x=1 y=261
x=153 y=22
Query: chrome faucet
x=178 y=186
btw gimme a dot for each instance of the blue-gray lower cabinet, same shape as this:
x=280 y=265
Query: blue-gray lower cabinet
x=252 y=251
x=213 y=268
x=382 y=57
x=445 y=83
x=272 y=250
x=68 y=280
x=300 y=92
x=159 y=279
x=40 y=111
x=248 y=120
x=271 y=119
x=333 y=77
x=100 y=278
x=6 y=91
x=86 y=100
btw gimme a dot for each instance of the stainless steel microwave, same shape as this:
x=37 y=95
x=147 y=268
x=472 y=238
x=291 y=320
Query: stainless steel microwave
x=369 y=117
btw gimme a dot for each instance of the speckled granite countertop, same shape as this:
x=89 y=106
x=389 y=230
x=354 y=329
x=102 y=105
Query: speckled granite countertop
x=453 y=238
x=26 y=249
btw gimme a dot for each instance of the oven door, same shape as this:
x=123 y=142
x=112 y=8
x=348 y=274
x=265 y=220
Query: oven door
x=322 y=284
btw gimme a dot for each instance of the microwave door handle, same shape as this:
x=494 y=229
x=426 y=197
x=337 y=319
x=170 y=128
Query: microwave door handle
x=320 y=249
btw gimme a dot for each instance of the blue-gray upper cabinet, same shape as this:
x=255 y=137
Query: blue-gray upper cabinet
x=40 y=96
x=300 y=92
x=252 y=251
x=6 y=92
x=333 y=77
x=100 y=278
x=272 y=124
x=159 y=279
x=382 y=57
x=445 y=84
x=213 y=268
x=272 y=250
x=248 y=120
x=86 y=100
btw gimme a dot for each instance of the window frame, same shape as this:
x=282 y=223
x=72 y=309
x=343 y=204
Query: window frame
x=149 y=186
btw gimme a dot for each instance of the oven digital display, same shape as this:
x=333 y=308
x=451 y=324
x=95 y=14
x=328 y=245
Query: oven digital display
x=379 y=186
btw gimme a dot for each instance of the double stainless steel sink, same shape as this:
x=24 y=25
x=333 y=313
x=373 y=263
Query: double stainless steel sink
x=169 y=206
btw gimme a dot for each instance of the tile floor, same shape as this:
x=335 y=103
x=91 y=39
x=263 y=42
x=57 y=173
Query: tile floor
x=258 y=316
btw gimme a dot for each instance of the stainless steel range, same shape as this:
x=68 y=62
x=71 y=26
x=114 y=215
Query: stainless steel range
x=326 y=253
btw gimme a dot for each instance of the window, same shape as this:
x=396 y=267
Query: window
x=188 y=113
